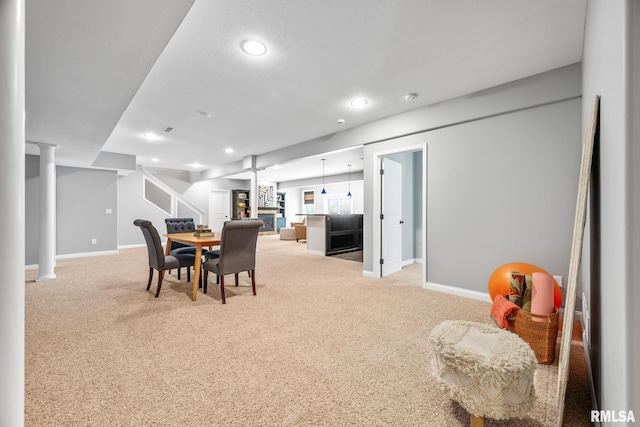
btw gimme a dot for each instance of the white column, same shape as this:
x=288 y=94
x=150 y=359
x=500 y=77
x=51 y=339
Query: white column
x=47 y=249
x=253 y=193
x=12 y=184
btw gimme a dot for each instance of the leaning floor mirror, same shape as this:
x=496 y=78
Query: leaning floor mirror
x=576 y=253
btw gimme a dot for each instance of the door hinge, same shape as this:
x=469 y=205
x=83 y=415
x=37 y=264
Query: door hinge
x=381 y=216
x=381 y=261
x=381 y=171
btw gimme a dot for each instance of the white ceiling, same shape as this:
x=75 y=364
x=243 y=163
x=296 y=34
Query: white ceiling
x=100 y=74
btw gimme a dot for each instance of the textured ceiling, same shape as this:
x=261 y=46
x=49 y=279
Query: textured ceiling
x=89 y=87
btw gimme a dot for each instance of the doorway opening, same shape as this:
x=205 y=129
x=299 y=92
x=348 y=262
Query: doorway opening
x=399 y=217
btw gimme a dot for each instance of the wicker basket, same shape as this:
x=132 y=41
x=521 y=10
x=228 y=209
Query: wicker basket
x=540 y=334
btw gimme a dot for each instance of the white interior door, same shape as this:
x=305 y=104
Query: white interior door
x=391 y=209
x=218 y=209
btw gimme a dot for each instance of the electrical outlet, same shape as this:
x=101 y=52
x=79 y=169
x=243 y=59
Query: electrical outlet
x=558 y=280
x=94 y=241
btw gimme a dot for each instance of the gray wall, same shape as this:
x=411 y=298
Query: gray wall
x=493 y=124
x=32 y=209
x=610 y=261
x=502 y=190
x=83 y=195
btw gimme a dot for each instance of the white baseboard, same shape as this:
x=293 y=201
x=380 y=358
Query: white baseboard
x=315 y=252
x=139 y=245
x=83 y=255
x=368 y=273
x=78 y=255
x=482 y=296
x=86 y=254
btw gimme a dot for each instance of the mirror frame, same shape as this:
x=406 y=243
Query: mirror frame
x=576 y=255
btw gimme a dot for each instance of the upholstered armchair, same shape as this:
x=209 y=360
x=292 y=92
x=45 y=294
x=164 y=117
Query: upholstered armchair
x=301 y=229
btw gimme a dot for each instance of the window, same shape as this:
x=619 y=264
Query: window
x=157 y=196
x=338 y=205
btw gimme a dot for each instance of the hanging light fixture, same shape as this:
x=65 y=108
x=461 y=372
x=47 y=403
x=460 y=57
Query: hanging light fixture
x=349 y=193
x=323 y=190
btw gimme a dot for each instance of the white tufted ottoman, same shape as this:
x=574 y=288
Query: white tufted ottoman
x=488 y=370
x=287 y=233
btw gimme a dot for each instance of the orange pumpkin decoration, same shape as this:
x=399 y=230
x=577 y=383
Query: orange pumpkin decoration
x=499 y=280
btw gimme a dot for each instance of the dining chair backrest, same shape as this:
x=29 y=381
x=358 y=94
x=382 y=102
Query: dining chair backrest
x=154 y=244
x=238 y=245
x=179 y=225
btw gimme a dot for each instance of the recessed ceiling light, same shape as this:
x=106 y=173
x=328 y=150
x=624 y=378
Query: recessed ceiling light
x=341 y=121
x=228 y=150
x=150 y=136
x=359 y=103
x=253 y=47
x=154 y=160
x=195 y=165
x=204 y=113
x=410 y=96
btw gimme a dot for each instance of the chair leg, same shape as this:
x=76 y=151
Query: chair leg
x=188 y=274
x=160 y=277
x=150 y=277
x=205 y=279
x=222 y=288
x=236 y=279
x=253 y=281
x=179 y=268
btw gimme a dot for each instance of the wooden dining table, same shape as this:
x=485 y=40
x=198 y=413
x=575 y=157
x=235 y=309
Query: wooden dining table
x=199 y=242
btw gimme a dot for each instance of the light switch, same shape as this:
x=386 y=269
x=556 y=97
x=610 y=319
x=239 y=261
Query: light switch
x=108 y=211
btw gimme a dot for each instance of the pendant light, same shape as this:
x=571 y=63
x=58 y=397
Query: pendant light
x=349 y=193
x=323 y=190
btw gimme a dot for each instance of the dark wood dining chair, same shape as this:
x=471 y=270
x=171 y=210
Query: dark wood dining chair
x=237 y=253
x=157 y=259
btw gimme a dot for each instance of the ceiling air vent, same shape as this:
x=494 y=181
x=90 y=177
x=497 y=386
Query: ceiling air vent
x=167 y=129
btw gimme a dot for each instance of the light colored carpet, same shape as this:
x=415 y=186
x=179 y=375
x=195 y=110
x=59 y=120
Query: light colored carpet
x=320 y=345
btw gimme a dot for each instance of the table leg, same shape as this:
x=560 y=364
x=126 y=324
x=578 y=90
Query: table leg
x=477 y=421
x=197 y=266
x=168 y=248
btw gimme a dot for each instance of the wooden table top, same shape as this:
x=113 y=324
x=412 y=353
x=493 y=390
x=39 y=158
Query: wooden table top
x=190 y=239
